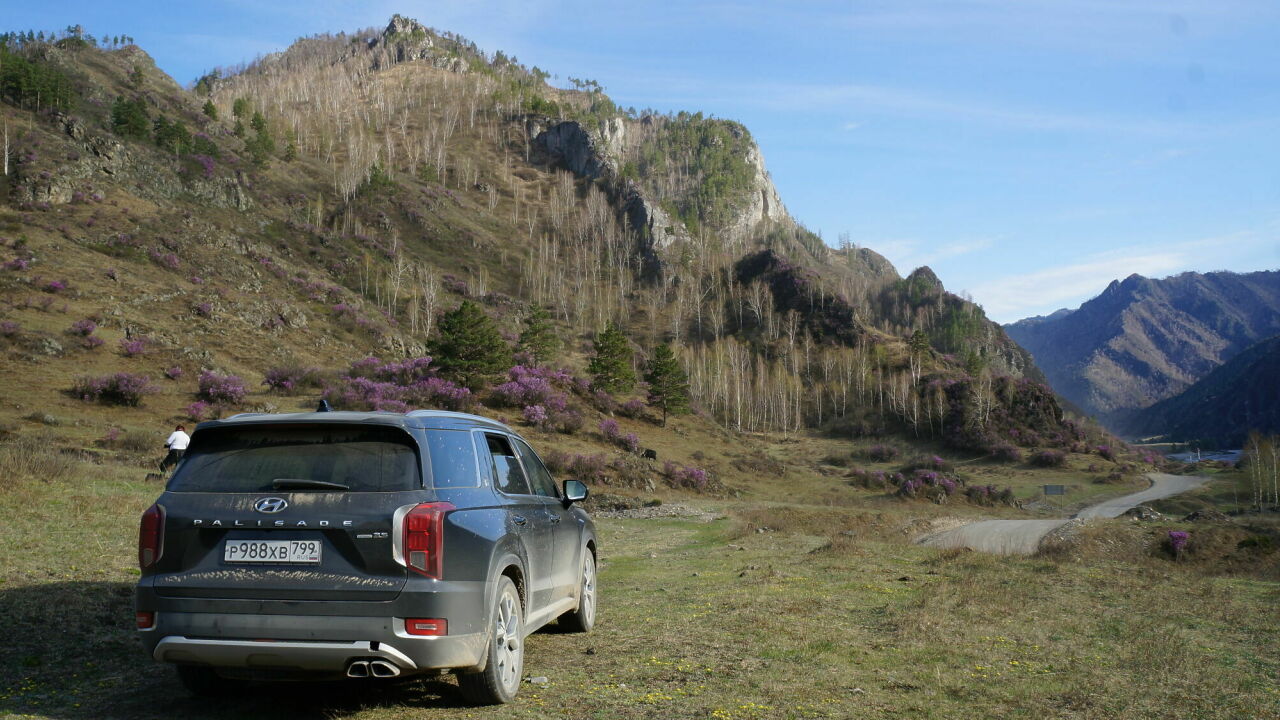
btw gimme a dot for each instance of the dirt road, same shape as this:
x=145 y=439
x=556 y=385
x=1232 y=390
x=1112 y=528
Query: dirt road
x=1022 y=537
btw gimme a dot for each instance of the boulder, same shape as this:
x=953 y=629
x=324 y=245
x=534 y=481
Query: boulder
x=1144 y=513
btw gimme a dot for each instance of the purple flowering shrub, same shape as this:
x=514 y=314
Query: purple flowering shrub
x=634 y=409
x=288 y=379
x=198 y=410
x=165 y=259
x=875 y=479
x=371 y=384
x=117 y=389
x=686 y=476
x=9 y=328
x=173 y=373
x=927 y=462
x=1006 y=452
x=221 y=389
x=539 y=391
x=1106 y=452
x=133 y=347
x=989 y=495
x=1177 y=542
x=629 y=442
x=603 y=401
x=881 y=453
x=535 y=415
x=83 y=328
x=590 y=469
x=404 y=372
x=527 y=386
x=351 y=318
x=928 y=484
x=93 y=342
x=454 y=285
x=1049 y=458
x=609 y=428
x=204 y=309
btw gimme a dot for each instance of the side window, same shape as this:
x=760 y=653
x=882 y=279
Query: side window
x=539 y=478
x=508 y=477
x=453 y=458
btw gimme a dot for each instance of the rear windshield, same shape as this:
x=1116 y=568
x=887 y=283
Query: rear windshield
x=252 y=459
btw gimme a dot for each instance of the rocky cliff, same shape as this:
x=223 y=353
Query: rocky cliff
x=600 y=152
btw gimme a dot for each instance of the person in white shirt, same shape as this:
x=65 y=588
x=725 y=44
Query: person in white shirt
x=177 y=446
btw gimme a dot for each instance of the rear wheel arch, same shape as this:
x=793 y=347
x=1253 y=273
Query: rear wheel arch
x=516 y=573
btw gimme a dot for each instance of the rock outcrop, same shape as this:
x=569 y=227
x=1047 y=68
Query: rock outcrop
x=599 y=153
x=407 y=40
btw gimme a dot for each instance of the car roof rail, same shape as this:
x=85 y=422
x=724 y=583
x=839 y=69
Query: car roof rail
x=459 y=415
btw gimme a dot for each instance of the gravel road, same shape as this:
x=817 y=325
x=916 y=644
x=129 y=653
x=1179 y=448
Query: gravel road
x=1022 y=537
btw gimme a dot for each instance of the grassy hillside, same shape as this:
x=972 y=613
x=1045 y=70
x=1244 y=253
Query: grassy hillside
x=1223 y=407
x=330 y=202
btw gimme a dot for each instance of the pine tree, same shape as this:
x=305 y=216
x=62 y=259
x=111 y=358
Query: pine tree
x=210 y=110
x=469 y=349
x=538 y=338
x=610 y=367
x=129 y=118
x=668 y=383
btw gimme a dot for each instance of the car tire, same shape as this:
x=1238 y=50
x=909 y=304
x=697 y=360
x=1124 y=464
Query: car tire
x=204 y=681
x=500 y=680
x=584 y=618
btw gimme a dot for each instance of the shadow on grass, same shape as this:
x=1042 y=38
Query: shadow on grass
x=68 y=650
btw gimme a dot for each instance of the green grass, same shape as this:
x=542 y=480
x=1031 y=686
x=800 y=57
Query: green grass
x=823 y=615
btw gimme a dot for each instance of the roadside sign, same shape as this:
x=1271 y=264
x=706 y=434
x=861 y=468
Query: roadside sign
x=1055 y=489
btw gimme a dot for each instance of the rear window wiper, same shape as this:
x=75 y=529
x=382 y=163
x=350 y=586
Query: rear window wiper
x=304 y=484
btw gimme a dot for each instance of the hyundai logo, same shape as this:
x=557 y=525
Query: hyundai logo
x=270 y=505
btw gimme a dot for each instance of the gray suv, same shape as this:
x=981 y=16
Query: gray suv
x=362 y=545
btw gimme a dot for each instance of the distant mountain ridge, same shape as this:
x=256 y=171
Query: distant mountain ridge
x=1221 y=409
x=1144 y=340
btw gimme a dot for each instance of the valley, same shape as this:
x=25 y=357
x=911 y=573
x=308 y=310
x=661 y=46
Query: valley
x=392 y=217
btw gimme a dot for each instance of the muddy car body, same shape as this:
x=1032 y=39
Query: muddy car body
x=342 y=544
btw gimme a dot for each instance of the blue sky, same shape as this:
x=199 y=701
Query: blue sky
x=1029 y=151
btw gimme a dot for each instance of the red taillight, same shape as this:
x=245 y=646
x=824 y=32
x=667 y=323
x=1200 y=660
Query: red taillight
x=426 y=626
x=424 y=538
x=151 y=536
x=146 y=620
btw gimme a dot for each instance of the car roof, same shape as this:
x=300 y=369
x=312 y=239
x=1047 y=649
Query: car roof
x=432 y=419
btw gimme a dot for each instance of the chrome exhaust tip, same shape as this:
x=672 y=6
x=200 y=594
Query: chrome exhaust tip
x=383 y=669
x=358 y=669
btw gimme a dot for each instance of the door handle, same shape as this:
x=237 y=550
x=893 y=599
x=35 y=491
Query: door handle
x=518 y=519
x=555 y=519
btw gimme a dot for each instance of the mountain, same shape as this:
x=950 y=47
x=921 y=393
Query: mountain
x=1241 y=395
x=292 y=216
x=1145 y=340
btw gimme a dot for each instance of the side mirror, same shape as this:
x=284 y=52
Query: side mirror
x=575 y=491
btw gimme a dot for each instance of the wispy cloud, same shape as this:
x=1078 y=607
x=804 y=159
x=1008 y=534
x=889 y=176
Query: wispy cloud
x=907 y=254
x=870 y=98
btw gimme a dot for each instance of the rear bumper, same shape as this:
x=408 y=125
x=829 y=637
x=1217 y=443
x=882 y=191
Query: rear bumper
x=303 y=643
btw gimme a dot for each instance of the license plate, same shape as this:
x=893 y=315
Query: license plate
x=272 y=551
